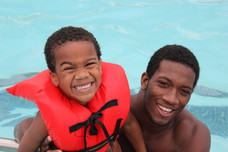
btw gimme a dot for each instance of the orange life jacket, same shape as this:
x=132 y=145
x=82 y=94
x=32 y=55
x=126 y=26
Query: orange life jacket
x=72 y=126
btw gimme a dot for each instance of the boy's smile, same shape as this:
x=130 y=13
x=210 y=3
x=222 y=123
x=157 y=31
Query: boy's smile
x=82 y=88
x=168 y=91
x=78 y=70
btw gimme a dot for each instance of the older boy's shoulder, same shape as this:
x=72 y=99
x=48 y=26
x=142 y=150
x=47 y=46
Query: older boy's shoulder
x=190 y=131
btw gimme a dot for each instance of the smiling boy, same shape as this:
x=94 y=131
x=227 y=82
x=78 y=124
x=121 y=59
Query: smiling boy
x=81 y=90
x=166 y=88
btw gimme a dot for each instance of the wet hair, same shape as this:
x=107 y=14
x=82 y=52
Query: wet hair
x=64 y=35
x=175 y=53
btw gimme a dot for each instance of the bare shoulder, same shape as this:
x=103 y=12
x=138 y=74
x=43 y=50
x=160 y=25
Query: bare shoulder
x=193 y=135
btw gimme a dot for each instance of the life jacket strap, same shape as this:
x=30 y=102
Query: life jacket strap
x=99 y=145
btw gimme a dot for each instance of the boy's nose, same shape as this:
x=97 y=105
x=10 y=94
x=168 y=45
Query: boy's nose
x=81 y=74
x=171 y=97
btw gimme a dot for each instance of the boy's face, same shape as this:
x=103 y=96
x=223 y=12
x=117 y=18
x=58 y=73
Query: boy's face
x=78 y=70
x=168 y=91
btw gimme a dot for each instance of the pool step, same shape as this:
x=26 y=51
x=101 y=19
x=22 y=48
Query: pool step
x=8 y=144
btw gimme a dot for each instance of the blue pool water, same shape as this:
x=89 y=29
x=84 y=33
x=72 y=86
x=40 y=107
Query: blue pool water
x=128 y=32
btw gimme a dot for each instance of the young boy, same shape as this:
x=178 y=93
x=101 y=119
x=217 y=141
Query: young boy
x=73 y=58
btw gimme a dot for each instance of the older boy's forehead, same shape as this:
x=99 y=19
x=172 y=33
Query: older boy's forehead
x=175 y=70
x=172 y=64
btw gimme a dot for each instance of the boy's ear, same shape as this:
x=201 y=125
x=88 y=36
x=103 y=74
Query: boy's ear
x=54 y=79
x=144 y=80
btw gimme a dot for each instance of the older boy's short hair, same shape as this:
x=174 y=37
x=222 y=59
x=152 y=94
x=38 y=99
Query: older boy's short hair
x=175 y=53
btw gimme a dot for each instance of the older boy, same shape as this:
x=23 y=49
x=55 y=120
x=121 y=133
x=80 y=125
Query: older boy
x=166 y=88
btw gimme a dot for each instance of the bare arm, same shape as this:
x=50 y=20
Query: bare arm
x=34 y=136
x=21 y=128
x=133 y=132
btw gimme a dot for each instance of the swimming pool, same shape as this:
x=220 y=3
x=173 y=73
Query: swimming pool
x=129 y=32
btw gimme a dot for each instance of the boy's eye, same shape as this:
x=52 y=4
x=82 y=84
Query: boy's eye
x=186 y=92
x=68 y=68
x=164 y=84
x=90 y=64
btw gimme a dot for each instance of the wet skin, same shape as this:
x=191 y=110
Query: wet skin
x=78 y=70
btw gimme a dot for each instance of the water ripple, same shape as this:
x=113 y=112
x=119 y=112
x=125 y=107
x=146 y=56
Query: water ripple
x=189 y=34
x=28 y=19
x=208 y=2
x=142 y=4
x=117 y=28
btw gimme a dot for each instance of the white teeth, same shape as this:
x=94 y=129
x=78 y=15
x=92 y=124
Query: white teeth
x=165 y=109
x=83 y=87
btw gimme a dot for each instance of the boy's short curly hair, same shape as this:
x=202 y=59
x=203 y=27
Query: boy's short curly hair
x=175 y=53
x=64 y=35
